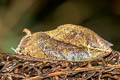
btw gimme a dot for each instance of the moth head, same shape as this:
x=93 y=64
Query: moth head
x=23 y=43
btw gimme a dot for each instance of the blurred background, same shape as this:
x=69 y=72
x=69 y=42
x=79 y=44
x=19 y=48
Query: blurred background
x=102 y=16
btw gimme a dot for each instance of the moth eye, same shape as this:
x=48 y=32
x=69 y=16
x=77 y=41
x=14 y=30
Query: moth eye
x=21 y=50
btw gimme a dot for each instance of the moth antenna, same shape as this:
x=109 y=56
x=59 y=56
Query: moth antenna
x=27 y=31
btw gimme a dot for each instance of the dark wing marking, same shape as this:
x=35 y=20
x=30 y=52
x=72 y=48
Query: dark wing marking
x=55 y=48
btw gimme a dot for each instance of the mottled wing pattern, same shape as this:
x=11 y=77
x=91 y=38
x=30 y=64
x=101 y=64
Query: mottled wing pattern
x=67 y=42
x=80 y=36
x=59 y=50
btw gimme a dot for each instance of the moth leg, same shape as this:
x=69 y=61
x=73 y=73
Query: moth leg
x=16 y=50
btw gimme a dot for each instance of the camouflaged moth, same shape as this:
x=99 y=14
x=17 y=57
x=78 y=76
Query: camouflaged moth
x=67 y=42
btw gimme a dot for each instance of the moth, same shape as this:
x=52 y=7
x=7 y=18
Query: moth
x=67 y=42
